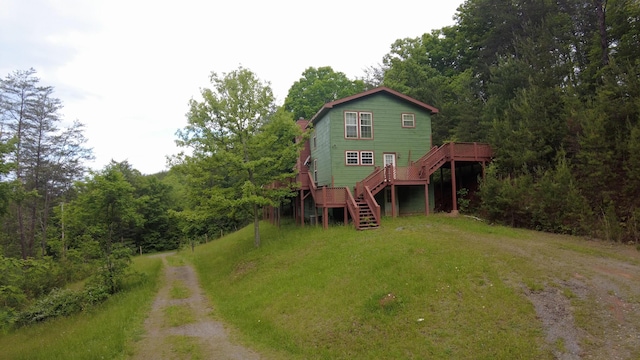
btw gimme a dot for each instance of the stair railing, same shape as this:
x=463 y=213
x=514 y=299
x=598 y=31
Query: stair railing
x=353 y=208
x=312 y=187
x=373 y=204
x=426 y=156
x=432 y=160
x=375 y=179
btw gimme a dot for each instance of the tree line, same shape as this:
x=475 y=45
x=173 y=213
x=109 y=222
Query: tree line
x=59 y=221
x=554 y=87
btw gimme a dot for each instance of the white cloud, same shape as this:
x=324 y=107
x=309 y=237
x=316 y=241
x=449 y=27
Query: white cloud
x=127 y=69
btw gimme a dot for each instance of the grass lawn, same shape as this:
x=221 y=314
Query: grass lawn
x=418 y=287
x=104 y=332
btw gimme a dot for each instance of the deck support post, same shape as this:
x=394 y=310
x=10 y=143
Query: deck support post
x=302 y=207
x=325 y=217
x=394 y=211
x=346 y=216
x=426 y=198
x=453 y=187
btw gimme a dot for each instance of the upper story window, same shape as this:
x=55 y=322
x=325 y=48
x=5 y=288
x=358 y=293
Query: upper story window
x=351 y=125
x=358 y=125
x=408 y=120
x=315 y=170
x=315 y=141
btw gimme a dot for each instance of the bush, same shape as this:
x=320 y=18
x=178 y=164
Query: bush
x=60 y=302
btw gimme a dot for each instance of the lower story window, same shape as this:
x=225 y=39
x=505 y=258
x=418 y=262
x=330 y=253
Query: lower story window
x=359 y=157
x=366 y=157
x=352 y=158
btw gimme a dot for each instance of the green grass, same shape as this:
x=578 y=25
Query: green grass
x=106 y=331
x=184 y=347
x=175 y=260
x=179 y=291
x=323 y=294
x=177 y=315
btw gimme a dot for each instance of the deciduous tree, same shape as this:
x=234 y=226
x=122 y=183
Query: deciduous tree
x=316 y=87
x=237 y=134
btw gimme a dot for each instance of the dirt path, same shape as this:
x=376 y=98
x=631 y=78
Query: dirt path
x=601 y=294
x=179 y=325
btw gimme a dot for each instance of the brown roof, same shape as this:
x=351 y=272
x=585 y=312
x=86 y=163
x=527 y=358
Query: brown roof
x=382 y=89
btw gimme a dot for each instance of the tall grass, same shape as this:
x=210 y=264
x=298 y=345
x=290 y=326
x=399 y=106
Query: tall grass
x=415 y=288
x=104 y=332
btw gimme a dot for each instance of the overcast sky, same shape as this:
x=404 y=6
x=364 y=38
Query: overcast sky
x=127 y=68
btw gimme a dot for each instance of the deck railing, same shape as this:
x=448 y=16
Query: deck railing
x=470 y=151
x=327 y=196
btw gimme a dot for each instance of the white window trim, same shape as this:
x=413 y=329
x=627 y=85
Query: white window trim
x=362 y=158
x=413 y=120
x=358 y=157
x=315 y=170
x=346 y=136
x=347 y=158
x=358 y=125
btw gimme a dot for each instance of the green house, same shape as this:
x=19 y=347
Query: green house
x=371 y=155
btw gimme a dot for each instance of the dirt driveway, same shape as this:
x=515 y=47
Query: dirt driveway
x=590 y=307
x=180 y=326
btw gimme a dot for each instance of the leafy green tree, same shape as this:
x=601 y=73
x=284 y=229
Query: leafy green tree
x=316 y=87
x=104 y=213
x=430 y=69
x=236 y=132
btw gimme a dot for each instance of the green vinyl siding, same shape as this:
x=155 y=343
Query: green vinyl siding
x=388 y=137
x=322 y=151
x=411 y=199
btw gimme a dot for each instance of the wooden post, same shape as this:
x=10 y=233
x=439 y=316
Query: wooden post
x=325 y=217
x=453 y=186
x=346 y=216
x=393 y=200
x=302 y=207
x=454 y=195
x=426 y=198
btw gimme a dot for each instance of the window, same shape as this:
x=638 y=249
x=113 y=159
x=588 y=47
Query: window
x=408 y=120
x=351 y=125
x=358 y=157
x=366 y=126
x=315 y=170
x=358 y=125
x=315 y=143
x=352 y=158
x=366 y=157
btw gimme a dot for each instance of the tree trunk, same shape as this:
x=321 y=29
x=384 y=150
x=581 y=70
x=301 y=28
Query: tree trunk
x=601 y=6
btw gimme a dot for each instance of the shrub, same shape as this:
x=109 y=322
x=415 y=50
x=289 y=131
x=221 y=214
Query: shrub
x=62 y=302
x=59 y=302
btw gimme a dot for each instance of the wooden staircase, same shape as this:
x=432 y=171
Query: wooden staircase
x=367 y=219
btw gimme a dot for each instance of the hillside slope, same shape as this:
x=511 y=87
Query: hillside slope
x=425 y=287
